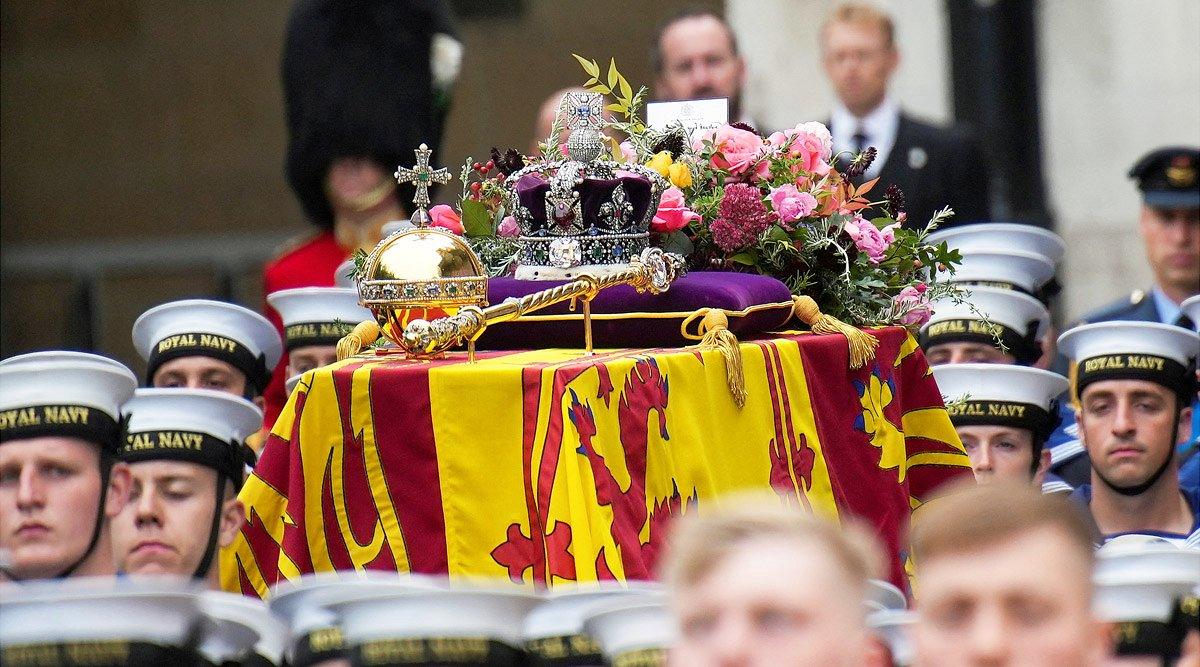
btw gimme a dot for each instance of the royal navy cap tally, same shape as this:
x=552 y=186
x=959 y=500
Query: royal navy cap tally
x=1191 y=308
x=198 y=426
x=987 y=315
x=895 y=628
x=993 y=236
x=98 y=621
x=318 y=315
x=238 y=630
x=344 y=275
x=200 y=327
x=634 y=632
x=455 y=626
x=1001 y=395
x=1161 y=353
x=1144 y=585
x=1169 y=177
x=1003 y=268
x=77 y=395
x=553 y=631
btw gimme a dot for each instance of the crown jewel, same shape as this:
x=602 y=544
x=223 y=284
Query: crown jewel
x=582 y=214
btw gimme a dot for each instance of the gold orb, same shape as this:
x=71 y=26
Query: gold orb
x=421 y=268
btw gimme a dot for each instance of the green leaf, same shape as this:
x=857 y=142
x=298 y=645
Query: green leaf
x=475 y=218
x=589 y=66
x=677 y=242
x=746 y=258
x=600 y=88
x=591 y=82
x=618 y=108
x=612 y=73
x=626 y=89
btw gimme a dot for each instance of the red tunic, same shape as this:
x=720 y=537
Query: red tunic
x=311 y=264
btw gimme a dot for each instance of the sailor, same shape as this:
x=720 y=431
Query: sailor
x=186 y=455
x=1003 y=415
x=99 y=622
x=60 y=481
x=202 y=344
x=1134 y=383
x=1148 y=590
x=314 y=320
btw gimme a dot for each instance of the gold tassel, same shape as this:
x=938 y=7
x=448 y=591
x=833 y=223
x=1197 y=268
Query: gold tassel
x=364 y=334
x=862 y=344
x=717 y=336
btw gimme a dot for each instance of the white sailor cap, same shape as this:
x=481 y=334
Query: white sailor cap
x=344 y=275
x=1002 y=236
x=60 y=355
x=98 y=620
x=554 y=629
x=1004 y=268
x=882 y=595
x=289 y=385
x=1191 y=308
x=895 y=627
x=1140 y=584
x=988 y=314
x=1160 y=353
x=76 y=395
x=632 y=631
x=461 y=625
x=1001 y=395
x=237 y=629
x=200 y=327
x=303 y=605
x=198 y=426
x=318 y=315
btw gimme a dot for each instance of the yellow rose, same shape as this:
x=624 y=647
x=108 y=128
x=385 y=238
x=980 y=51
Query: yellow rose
x=661 y=162
x=680 y=175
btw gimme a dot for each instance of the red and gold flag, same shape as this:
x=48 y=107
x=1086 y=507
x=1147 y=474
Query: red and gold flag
x=549 y=466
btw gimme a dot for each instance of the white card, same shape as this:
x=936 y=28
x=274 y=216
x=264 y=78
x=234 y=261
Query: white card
x=695 y=115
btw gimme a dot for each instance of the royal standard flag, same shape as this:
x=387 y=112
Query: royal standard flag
x=550 y=466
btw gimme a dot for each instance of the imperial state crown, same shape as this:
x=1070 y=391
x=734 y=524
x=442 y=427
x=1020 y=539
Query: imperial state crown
x=581 y=214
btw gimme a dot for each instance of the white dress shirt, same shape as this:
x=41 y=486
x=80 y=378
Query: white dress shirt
x=879 y=127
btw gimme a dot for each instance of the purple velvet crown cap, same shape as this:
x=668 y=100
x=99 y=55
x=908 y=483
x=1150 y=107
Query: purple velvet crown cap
x=593 y=193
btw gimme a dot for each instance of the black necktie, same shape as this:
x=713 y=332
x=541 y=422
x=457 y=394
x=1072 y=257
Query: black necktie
x=1186 y=322
x=858 y=141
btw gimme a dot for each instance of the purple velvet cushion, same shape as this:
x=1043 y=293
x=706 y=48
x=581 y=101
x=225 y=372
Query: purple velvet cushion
x=704 y=289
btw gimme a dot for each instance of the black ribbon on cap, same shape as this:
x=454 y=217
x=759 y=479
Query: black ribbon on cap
x=1169 y=373
x=979 y=412
x=1023 y=346
x=315 y=333
x=227 y=458
x=213 y=346
x=71 y=421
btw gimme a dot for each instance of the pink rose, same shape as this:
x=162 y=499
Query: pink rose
x=445 y=217
x=673 y=214
x=739 y=152
x=809 y=141
x=791 y=204
x=627 y=152
x=870 y=239
x=914 y=305
x=508 y=227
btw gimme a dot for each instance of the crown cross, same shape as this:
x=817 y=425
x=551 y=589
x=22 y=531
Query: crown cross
x=583 y=110
x=421 y=176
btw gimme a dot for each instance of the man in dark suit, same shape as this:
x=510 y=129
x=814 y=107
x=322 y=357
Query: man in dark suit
x=1169 y=179
x=934 y=166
